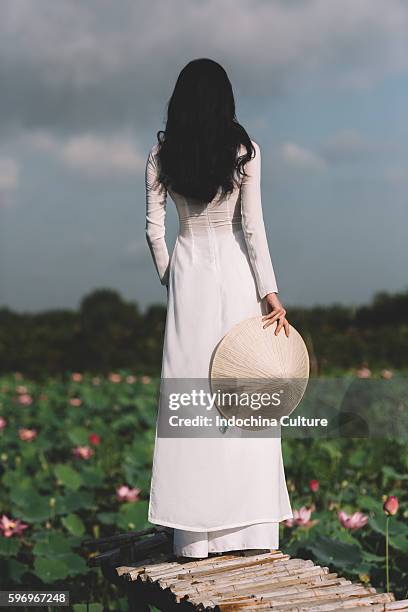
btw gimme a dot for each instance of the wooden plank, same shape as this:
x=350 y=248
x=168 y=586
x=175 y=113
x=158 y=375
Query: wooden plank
x=225 y=591
x=263 y=585
x=228 y=577
x=208 y=566
x=402 y=604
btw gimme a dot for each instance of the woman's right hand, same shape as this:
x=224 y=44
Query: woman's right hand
x=277 y=313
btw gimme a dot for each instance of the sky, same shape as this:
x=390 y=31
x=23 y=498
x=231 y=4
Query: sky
x=320 y=85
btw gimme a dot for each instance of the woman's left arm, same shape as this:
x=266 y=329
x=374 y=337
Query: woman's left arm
x=156 y=198
x=258 y=250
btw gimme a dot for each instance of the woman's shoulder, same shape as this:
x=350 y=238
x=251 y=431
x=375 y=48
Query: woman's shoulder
x=154 y=149
x=255 y=155
x=256 y=146
x=152 y=156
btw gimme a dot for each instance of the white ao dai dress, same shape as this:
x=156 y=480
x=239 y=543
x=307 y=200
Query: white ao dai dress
x=217 y=493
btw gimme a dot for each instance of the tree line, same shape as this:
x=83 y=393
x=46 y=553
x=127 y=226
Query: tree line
x=107 y=333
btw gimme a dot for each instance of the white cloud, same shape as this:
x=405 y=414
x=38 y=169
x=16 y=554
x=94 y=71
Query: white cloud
x=299 y=157
x=92 y=155
x=95 y=156
x=9 y=174
x=348 y=145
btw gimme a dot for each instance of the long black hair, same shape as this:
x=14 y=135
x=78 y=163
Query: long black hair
x=198 y=150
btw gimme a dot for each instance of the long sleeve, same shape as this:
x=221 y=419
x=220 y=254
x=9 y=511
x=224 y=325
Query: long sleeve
x=254 y=227
x=156 y=197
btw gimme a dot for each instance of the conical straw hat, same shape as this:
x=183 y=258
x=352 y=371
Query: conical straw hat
x=252 y=360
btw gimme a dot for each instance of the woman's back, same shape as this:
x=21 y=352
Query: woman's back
x=232 y=224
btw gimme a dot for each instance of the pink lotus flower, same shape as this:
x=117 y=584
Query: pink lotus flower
x=83 y=452
x=314 y=485
x=131 y=379
x=3 y=423
x=391 y=505
x=27 y=435
x=76 y=377
x=363 y=372
x=25 y=399
x=21 y=389
x=387 y=374
x=11 y=527
x=115 y=378
x=75 y=401
x=94 y=439
x=124 y=493
x=301 y=517
x=145 y=380
x=354 y=521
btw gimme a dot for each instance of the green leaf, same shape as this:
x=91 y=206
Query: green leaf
x=331 y=449
x=358 y=458
x=134 y=515
x=395 y=527
x=16 y=570
x=398 y=531
x=71 y=501
x=389 y=474
x=76 y=564
x=53 y=546
x=32 y=507
x=29 y=452
x=399 y=543
x=50 y=570
x=362 y=568
x=16 y=481
x=78 y=436
x=20 y=493
x=107 y=518
x=142 y=450
x=92 y=476
x=73 y=524
x=333 y=552
x=371 y=558
x=125 y=423
x=377 y=523
x=69 y=477
x=9 y=546
x=365 y=502
x=92 y=607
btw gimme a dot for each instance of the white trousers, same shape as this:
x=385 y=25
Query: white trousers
x=200 y=543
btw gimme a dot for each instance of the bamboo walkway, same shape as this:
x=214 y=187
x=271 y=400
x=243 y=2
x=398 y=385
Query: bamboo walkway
x=246 y=582
x=143 y=565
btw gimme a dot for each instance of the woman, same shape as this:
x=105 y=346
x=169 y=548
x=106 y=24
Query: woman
x=218 y=493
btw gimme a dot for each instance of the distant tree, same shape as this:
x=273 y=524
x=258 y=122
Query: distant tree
x=108 y=332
